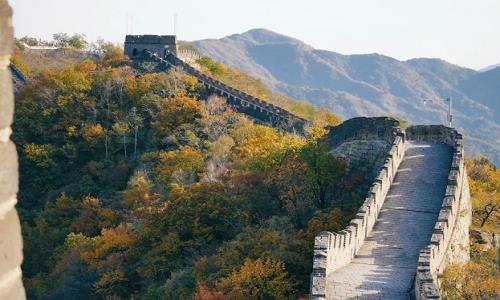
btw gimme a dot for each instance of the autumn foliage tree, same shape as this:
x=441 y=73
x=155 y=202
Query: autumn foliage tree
x=138 y=186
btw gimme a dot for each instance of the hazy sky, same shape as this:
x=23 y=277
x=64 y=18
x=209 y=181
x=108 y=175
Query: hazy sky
x=464 y=32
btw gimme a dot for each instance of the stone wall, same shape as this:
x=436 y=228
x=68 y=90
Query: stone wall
x=450 y=239
x=10 y=231
x=335 y=250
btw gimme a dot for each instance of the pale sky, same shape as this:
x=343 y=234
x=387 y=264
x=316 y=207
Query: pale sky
x=463 y=32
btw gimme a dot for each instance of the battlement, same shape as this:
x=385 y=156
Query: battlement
x=136 y=46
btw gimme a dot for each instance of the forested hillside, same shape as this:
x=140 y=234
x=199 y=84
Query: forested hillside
x=135 y=187
x=370 y=84
x=480 y=278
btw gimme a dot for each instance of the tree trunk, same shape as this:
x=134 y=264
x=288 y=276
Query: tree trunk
x=124 y=145
x=106 y=145
x=488 y=211
x=136 y=129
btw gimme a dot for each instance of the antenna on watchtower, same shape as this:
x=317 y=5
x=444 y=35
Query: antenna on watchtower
x=126 y=24
x=175 y=24
x=131 y=24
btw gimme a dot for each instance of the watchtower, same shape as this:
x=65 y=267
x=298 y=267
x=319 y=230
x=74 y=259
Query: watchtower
x=161 y=45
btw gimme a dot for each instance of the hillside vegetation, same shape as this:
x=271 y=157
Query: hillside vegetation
x=480 y=278
x=134 y=188
x=252 y=86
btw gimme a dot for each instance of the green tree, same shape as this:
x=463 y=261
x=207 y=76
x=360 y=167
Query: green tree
x=324 y=170
x=64 y=40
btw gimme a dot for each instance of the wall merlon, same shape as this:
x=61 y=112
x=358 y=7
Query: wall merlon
x=453 y=177
x=436 y=239
x=445 y=215
x=451 y=190
x=440 y=227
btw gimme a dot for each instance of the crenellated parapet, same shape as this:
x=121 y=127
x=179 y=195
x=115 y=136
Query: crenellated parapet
x=334 y=250
x=451 y=228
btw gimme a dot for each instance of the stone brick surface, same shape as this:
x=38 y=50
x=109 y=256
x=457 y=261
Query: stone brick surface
x=6 y=32
x=8 y=173
x=385 y=266
x=6 y=100
x=10 y=242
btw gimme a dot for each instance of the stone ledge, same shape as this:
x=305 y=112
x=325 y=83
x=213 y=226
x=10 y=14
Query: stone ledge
x=11 y=286
x=11 y=242
x=6 y=32
x=6 y=99
x=8 y=172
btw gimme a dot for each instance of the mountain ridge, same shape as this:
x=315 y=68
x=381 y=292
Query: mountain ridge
x=490 y=67
x=369 y=84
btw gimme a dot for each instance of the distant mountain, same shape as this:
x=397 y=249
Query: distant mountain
x=370 y=84
x=489 y=68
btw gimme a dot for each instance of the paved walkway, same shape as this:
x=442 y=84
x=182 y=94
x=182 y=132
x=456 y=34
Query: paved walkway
x=385 y=265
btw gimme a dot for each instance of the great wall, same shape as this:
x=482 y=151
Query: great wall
x=412 y=224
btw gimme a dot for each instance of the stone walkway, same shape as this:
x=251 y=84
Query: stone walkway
x=385 y=265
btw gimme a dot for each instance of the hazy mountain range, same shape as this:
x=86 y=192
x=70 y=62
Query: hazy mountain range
x=489 y=68
x=370 y=84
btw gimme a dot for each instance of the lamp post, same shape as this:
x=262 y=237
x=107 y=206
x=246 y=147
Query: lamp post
x=449 y=116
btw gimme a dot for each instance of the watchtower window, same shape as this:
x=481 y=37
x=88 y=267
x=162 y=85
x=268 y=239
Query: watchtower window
x=165 y=52
x=134 y=52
